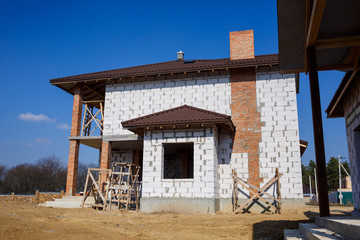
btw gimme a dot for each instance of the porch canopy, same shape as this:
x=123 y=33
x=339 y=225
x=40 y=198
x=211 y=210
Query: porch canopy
x=179 y=118
x=332 y=27
x=317 y=35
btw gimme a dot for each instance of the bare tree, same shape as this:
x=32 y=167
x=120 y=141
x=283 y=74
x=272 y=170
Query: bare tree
x=82 y=173
x=47 y=175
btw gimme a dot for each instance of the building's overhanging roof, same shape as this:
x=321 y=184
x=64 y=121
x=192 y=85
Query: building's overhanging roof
x=94 y=83
x=337 y=41
x=335 y=108
x=303 y=146
x=179 y=117
x=170 y=67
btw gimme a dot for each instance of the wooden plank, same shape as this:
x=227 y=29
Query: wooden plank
x=267 y=185
x=318 y=134
x=240 y=208
x=97 y=187
x=278 y=189
x=256 y=192
x=83 y=121
x=85 y=189
x=94 y=118
x=234 y=192
x=315 y=21
x=307 y=22
x=258 y=195
x=338 y=42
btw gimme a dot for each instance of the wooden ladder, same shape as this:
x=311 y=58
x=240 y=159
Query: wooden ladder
x=124 y=185
x=98 y=189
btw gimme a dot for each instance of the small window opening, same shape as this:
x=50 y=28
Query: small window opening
x=178 y=160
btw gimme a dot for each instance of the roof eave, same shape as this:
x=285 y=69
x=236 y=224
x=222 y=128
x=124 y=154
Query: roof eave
x=136 y=129
x=58 y=81
x=335 y=108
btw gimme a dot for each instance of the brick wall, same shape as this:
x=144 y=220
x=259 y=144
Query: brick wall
x=105 y=155
x=352 y=119
x=242 y=45
x=278 y=145
x=246 y=118
x=74 y=144
x=31 y=199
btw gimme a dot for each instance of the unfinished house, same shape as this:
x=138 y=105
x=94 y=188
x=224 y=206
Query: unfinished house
x=188 y=123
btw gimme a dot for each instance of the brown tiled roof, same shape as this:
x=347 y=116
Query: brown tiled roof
x=180 y=115
x=172 y=67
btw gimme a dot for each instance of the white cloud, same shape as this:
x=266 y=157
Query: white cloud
x=63 y=126
x=35 y=118
x=38 y=141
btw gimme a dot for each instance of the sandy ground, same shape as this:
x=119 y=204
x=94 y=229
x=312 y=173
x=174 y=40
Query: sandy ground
x=21 y=221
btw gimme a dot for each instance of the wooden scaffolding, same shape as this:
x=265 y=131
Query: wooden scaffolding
x=124 y=189
x=89 y=117
x=118 y=186
x=256 y=193
x=97 y=185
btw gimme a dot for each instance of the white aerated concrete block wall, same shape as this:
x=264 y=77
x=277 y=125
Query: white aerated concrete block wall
x=228 y=161
x=131 y=100
x=352 y=120
x=279 y=148
x=276 y=100
x=203 y=185
x=122 y=156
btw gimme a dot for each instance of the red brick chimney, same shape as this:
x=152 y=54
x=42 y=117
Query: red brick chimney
x=242 y=45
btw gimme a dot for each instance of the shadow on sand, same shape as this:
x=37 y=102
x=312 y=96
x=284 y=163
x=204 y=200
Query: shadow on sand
x=274 y=229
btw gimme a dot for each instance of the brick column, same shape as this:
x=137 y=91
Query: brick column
x=247 y=119
x=105 y=159
x=74 y=144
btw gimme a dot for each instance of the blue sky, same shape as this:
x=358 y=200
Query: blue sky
x=40 y=40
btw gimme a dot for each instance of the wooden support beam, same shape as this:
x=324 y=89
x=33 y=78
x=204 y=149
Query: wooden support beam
x=307 y=22
x=318 y=134
x=315 y=21
x=338 y=42
x=94 y=91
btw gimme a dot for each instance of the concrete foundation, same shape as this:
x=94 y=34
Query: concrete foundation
x=208 y=205
x=179 y=205
x=225 y=205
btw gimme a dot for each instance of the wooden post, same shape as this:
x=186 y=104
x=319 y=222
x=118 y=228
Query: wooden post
x=37 y=196
x=234 y=182
x=318 y=133
x=278 y=189
x=13 y=197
